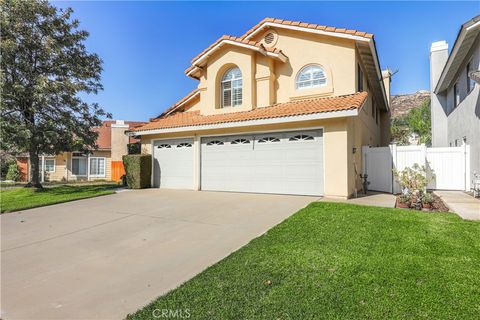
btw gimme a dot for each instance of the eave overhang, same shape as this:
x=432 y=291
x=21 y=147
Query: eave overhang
x=466 y=38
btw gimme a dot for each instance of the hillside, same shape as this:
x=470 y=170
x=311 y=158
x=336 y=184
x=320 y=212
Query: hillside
x=402 y=104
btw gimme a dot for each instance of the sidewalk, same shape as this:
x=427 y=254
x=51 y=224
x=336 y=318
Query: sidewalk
x=461 y=203
x=372 y=198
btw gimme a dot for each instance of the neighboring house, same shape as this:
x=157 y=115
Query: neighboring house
x=455 y=96
x=285 y=108
x=105 y=163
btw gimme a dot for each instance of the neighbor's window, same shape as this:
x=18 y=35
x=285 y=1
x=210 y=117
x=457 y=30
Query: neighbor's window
x=232 y=88
x=310 y=77
x=97 y=166
x=79 y=166
x=470 y=82
x=359 y=78
x=456 y=96
x=49 y=165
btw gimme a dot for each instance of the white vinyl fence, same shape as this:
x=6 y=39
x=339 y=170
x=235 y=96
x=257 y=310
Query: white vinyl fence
x=451 y=166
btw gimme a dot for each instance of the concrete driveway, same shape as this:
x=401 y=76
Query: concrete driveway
x=105 y=257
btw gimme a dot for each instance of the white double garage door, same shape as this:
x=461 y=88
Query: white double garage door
x=279 y=162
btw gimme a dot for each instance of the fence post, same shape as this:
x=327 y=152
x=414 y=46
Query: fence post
x=466 y=155
x=393 y=152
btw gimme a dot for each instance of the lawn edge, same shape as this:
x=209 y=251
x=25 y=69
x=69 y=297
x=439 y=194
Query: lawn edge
x=59 y=202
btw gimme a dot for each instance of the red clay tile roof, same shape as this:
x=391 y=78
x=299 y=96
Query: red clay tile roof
x=308 y=26
x=179 y=102
x=287 y=109
x=238 y=40
x=234 y=39
x=104 y=140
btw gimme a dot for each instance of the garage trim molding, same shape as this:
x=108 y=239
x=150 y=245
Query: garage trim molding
x=197 y=140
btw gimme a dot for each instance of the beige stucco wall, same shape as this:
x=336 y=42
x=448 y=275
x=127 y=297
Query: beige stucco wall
x=335 y=55
x=335 y=139
x=267 y=81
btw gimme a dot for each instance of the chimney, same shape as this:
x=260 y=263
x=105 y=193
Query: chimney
x=438 y=59
x=119 y=140
x=438 y=102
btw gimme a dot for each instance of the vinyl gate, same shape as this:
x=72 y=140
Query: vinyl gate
x=451 y=166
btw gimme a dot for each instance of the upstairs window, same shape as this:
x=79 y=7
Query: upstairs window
x=470 y=82
x=359 y=79
x=456 y=96
x=310 y=77
x=232 y=88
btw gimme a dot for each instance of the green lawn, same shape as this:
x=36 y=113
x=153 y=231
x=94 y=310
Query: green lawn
x=26 y=198
x=339 y=261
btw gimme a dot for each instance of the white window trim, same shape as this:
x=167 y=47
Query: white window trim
x=311 y=80
x=54 y=165
x=232 y=105
x=104 y=167
x=71 y=166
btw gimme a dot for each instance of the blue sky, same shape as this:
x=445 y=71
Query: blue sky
x=146 y=46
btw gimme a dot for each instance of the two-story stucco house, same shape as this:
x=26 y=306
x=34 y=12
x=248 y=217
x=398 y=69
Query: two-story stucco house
x=455 y=98
x=285 y=108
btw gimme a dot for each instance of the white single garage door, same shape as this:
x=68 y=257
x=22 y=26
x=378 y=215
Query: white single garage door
x=282 y=162
x=173 y=164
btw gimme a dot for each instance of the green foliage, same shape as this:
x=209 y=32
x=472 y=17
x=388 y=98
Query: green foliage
x=4 y=166
x=138 y=168
x=134 y=148
x=427 y=198
x=400 y=132
x=405 y=197
x=13 y=173
x=417 y=120
x=413 y=179
x=45 y=70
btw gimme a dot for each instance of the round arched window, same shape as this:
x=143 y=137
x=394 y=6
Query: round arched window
x=311 y=76
x=232 y=88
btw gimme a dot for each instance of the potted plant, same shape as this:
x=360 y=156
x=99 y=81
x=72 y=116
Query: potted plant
x=427 y=200
x=404 y=200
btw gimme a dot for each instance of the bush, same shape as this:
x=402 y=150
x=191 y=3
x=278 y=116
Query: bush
x=13 y=173
x=414 y=179
x=4 y=165
x=138 y=168
x=134 y=148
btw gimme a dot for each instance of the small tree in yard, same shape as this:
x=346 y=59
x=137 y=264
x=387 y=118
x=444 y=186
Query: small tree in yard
x=44 y=66
x=13 y=173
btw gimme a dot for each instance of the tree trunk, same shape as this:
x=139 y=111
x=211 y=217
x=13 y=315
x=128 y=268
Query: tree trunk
x=35 y=179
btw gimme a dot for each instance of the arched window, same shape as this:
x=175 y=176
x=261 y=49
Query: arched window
x=232 y=88
x=311 y=76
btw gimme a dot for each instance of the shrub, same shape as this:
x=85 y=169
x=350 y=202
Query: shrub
x=405 y=198
x=427 y=198
x=138 y=168
x=134 y=148
x=413 y=179
x=13 y=173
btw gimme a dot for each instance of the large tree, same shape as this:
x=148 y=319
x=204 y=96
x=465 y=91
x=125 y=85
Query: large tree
x=45 y=68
